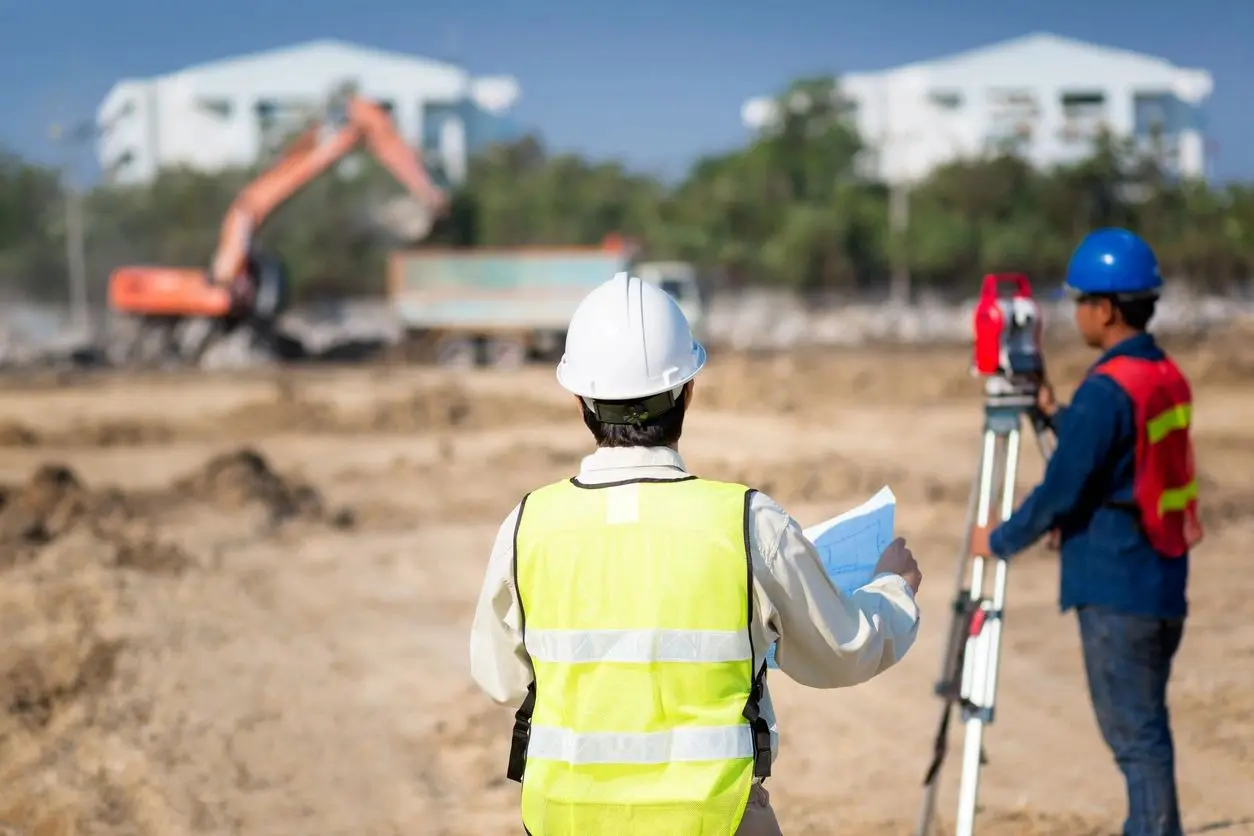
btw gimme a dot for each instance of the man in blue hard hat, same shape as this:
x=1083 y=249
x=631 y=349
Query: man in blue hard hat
x=1120 y=497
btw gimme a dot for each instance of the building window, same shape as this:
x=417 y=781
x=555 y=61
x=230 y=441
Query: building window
x=279 y=121
x=946 y=99
x=1155 y=113
x=1083 y=114
x=217 y=106
x=1012 y=118
x=435 y=116
x=120 y=165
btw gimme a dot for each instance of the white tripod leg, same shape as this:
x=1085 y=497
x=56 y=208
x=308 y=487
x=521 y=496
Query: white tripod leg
x=952 y=666
x=984 y=643
x=972 y=669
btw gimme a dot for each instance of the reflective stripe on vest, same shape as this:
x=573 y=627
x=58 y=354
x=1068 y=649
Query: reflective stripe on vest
x=636 y=605
x=1165 y=489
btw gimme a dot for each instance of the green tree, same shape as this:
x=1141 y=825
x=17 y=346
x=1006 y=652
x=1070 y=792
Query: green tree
x=790 y=208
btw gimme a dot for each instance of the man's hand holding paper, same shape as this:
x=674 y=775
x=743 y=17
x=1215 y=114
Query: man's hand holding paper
x=859 y=545
x=897 y=559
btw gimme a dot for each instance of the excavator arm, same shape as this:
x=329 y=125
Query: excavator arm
x=311 y=154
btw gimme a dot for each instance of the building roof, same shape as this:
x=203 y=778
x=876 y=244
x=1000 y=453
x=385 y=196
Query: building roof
x=323 y=49
x=1066 y=61
x=314 y=67
x=1025 y=60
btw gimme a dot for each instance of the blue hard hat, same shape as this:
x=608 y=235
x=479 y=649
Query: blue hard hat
x=1114 y=262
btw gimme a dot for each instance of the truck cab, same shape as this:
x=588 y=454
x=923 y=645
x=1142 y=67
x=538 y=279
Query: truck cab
x=679 y=279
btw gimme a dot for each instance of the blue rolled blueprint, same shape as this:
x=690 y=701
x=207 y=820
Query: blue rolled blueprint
x=850 y=545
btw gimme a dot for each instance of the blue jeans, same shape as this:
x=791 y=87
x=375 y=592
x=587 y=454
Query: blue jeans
x=1128 y=661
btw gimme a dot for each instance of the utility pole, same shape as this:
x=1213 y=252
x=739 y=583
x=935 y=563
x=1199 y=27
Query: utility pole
x=75 y=254
x=895 y=169
x=899 y=227
x=75 y=237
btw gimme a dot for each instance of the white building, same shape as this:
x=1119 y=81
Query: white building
x=231 y=112
x=1042 y=95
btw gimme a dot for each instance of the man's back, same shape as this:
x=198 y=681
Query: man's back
x=636 y=602
x=826 y=640
x=1106 y=558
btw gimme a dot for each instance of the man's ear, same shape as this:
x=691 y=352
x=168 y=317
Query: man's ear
x=688 y=389
x=580 y=404
x=1110 y=313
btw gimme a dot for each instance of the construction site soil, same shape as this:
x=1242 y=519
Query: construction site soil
x=239 y=604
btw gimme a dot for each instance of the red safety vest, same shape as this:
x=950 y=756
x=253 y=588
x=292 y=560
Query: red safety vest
x=1165 y=484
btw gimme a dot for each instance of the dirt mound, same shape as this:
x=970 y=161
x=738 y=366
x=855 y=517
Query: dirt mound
x=809 y=380
x=53 y=502
x=450 y=406
x=119 y=433
x=59 y=660
x=437 y=407
x=833 y=477
x=286 y=412
x=15 y=434
x=244 y=478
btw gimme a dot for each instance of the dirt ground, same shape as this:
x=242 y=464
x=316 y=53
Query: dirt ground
x=240 y=604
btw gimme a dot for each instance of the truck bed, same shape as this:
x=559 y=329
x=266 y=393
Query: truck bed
x=496 y=289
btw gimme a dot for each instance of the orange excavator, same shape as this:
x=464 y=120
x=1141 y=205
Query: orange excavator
x=177 y=313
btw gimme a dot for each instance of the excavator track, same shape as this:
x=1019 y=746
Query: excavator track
x=168 y=343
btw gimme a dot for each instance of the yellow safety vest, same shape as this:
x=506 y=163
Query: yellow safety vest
x=643 y=718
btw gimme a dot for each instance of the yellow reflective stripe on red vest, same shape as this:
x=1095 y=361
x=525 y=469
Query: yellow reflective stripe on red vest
x=1177 y=499
x=1174 y=418
x=1170 y=420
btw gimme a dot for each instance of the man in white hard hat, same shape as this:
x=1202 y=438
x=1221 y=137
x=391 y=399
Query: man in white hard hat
x=629 y=609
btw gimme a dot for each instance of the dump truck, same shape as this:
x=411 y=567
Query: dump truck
x=503 y=307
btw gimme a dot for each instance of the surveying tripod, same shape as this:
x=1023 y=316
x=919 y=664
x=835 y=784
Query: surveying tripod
x=968 y=676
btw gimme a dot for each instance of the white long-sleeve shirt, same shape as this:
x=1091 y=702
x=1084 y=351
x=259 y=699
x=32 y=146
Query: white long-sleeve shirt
x=826 y=638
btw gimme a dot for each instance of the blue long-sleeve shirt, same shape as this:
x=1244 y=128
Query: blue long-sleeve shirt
x=1106 y=559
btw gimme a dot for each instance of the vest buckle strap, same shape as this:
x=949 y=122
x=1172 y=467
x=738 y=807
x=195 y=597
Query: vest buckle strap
x=761 y=749
x=761 y=731
x=521 y=737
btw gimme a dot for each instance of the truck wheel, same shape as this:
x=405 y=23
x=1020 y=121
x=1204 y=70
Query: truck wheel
x=506 y=353
x=457 y=353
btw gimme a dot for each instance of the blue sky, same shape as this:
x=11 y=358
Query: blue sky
x=655 y=83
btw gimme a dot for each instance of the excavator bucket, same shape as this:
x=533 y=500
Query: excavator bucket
x=167 y=292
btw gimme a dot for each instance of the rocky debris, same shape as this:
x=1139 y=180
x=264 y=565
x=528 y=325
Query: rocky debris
x=358 y=329
x=774 y=320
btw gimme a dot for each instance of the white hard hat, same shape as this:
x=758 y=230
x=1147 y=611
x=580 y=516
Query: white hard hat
x=628 y=340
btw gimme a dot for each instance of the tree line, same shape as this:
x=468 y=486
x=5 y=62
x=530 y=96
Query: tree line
x=791 y=208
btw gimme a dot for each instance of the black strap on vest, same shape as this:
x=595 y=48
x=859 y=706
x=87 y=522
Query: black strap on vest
x=521 y=736
x=522 y=717
x=752 y=713
x=761 y=731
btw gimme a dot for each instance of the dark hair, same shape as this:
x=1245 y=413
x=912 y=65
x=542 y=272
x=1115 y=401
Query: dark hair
x=1136 y=313
x=662 y=431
